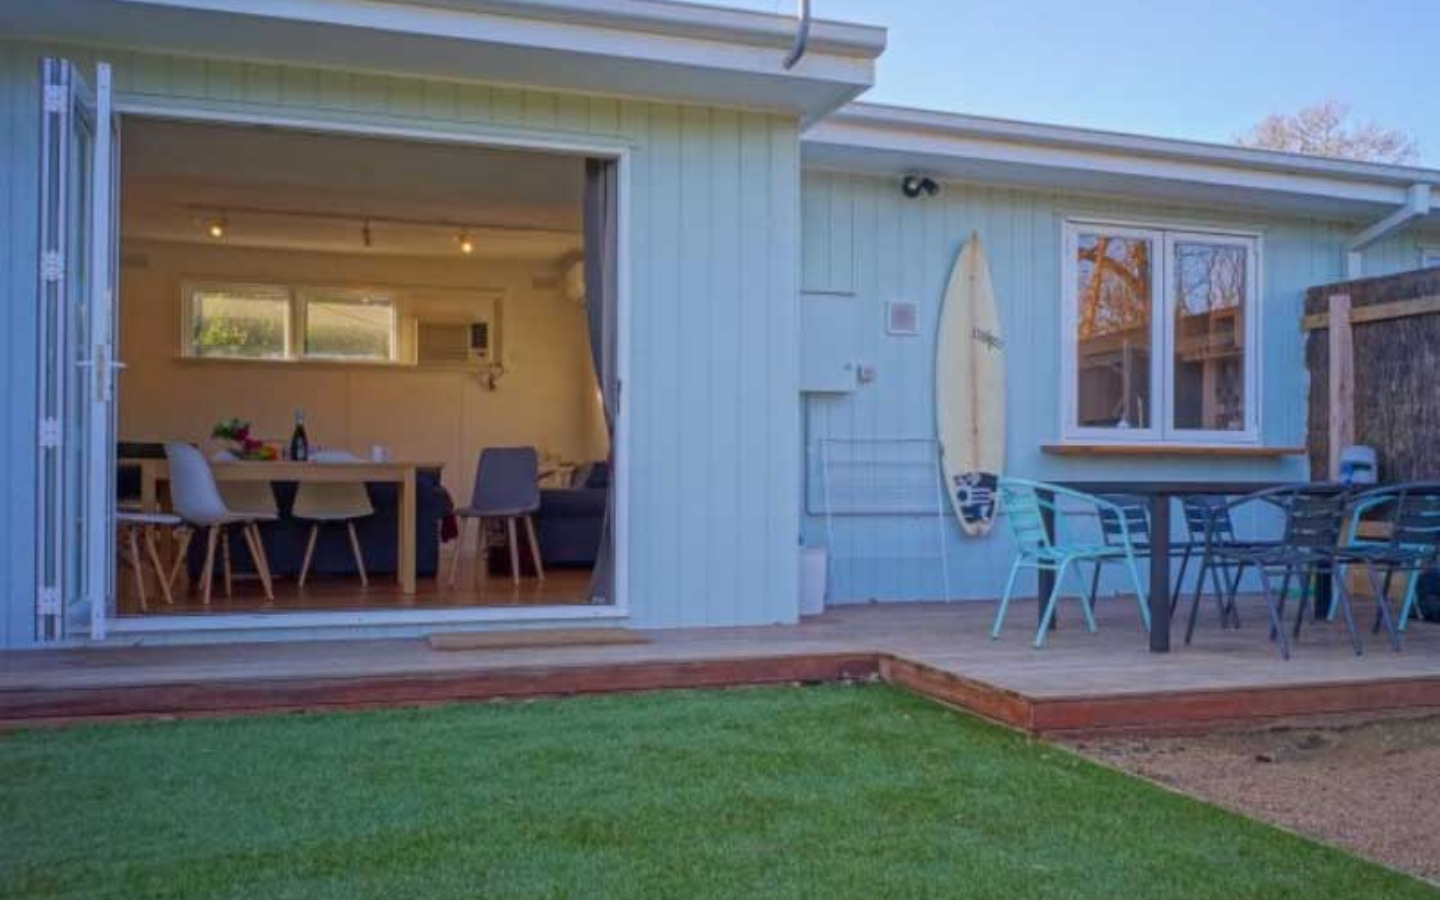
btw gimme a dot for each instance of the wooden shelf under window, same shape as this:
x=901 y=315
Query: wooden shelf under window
x=1240 y=451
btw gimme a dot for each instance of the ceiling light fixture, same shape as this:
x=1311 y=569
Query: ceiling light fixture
x=217 y=228
x=466 y=245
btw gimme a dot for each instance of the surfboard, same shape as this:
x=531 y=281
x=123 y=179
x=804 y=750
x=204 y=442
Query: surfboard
x=970 y=391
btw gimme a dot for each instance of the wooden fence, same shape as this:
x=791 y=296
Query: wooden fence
x=1373 y=351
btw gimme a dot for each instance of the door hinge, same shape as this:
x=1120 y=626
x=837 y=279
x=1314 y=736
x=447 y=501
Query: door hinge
x=52 y=265
x=57 y=98
x=47 y=601
x=49 y=433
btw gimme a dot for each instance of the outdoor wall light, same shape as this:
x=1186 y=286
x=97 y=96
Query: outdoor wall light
x=914 y=186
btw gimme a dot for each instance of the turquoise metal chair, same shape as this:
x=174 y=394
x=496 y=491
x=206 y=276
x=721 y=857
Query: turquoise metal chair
x=1025 y=505
x=1412 y=512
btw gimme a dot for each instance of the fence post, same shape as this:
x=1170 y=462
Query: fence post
x=1342 y=380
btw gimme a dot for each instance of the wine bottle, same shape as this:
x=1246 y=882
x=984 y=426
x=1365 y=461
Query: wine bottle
x=299 y=443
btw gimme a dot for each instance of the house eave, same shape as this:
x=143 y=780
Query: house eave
x=894 y=140
x=629 y=48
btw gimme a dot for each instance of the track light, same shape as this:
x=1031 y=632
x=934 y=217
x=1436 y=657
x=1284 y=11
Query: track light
x=466 y=245
x=365 y=237
x=914 y=186
x=216 y=229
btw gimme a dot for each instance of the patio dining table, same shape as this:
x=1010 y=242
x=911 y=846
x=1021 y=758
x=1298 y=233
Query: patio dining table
x=1160 y=494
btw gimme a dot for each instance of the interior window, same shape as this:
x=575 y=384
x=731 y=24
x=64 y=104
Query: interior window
x=349 y=325
x=239 y=321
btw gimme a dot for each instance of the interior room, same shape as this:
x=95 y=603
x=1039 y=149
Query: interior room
x=378 y=310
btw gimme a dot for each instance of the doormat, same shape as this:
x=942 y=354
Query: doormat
x=550 y=637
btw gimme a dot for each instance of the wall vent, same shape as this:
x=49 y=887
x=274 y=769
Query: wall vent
x=902 y=319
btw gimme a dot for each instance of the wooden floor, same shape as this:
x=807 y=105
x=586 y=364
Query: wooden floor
x=1079 y=682
x=472 y=588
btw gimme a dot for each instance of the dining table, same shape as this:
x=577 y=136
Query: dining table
x=156 y=471
x=1160 y=495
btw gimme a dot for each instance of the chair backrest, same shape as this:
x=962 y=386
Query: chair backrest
x=1412 y=511
x=1128 y=515
x=507 y=479
x=1314 y=519
x=1202 y=512
x=1025 y=513
x=192 y=486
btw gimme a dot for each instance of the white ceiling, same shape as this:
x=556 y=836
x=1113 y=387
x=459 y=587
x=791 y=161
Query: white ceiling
x=299 y=190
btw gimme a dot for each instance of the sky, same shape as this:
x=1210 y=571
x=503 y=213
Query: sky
x=1204 y=70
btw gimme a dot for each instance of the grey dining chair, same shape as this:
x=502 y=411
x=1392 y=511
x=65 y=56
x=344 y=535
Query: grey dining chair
x=507 y=486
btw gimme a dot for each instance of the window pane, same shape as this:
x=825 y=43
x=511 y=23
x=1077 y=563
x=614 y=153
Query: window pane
x=1210 y=283
x=349 y=327
x=239 y=321
x=1113 y=331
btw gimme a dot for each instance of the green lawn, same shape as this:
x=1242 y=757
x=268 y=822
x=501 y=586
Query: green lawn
x=823 y=792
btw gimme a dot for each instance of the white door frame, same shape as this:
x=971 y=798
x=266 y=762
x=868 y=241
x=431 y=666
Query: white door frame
x=477 y=135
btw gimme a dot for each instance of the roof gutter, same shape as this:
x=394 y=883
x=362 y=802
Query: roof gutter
x=1417 y=205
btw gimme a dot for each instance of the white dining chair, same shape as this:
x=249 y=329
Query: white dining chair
x=135 y=528
x=324 y=502
x=197 y=500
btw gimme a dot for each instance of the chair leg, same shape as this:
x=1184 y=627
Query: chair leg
x=181 y=551
x=514 y=550
x=225 y=557
x=1338 y=594
x=1179 y=581
x=1231 y=608
x=132 y=549
x=1095 y=581
x=154 y=553
x=1139 y=592
x=1277 y=625
x=1050 y=605
x=1005 y=599
x=309 y=552
x=461 y=525
x=534 y=548
x=1382 y=602
x=257 y=556
x=1382 y=612
x=482 y=550
x=207 y=577
x=1086 y=602
x=359 y=557
x=1205 y=568
x=1407 y=609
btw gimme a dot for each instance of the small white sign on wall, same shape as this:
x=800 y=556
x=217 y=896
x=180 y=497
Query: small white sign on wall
x=902 y=318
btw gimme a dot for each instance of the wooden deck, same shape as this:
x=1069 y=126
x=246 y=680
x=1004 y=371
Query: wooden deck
x=1077 y=683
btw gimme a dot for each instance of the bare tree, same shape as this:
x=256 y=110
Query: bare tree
x=1326 y=129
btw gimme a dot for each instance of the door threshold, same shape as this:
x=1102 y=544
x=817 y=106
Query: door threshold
x=158 y=624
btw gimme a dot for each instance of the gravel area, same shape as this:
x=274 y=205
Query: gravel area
x=1372 y=788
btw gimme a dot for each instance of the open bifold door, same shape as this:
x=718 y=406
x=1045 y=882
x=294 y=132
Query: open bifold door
x=77 y=268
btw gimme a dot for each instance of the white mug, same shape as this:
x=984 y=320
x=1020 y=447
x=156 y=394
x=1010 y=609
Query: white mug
x=378 y=453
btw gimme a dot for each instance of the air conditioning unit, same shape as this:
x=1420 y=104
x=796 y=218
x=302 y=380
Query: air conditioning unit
x=455 y=343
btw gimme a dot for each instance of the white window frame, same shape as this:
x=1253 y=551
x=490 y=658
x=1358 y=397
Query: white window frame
x=302 y=297
x=297 y=301
x=1429 y=255
x=1161 y=431
x=189 y=288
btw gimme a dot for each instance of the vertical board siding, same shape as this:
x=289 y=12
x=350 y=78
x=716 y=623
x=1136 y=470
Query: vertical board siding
x=903 y=250
x=715 y=327
x=19 y=176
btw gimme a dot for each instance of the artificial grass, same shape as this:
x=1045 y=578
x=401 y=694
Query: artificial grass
x=824 y=792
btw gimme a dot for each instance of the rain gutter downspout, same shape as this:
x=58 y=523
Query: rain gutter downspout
x=1417 y=205
x=802 y=36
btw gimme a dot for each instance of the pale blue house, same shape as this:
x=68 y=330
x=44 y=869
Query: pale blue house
x=769 y=288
